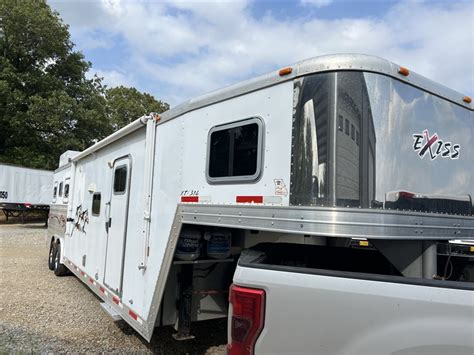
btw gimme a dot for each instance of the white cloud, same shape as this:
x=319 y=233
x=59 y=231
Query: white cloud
x=317 y=3
x=188 y=48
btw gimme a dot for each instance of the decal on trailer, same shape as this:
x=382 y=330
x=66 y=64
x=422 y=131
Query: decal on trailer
x=82 y=218
x=3 y=194
x=434 y=146
x=280 y=187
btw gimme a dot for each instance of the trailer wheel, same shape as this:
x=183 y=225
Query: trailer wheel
x=59 y=269
x=52 y=251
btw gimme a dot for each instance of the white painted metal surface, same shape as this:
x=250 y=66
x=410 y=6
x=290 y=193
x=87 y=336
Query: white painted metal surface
x=314 y=314
x=25 y=185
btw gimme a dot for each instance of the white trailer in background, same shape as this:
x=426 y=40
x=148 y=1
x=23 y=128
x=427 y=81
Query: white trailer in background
x=160 y=211
x=24 y=190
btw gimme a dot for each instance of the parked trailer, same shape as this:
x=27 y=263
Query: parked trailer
x=24 y=190
x=317 y=153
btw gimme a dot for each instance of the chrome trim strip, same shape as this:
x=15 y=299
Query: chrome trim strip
x=332 y=222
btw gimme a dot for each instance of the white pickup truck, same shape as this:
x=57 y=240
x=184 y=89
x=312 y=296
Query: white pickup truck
x=300 y=299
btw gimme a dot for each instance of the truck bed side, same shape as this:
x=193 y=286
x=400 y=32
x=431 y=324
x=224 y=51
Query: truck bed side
x=324 y=312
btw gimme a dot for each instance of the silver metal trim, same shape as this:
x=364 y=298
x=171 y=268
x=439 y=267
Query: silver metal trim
x=123 y=310
x=332 y=222
x=163 y=273
x=260 y=148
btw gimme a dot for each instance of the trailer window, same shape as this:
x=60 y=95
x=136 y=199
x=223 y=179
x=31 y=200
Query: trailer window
x=60 y=189
x=55 y=190
x=120 y=179
x=96 y=204
x=235 y=151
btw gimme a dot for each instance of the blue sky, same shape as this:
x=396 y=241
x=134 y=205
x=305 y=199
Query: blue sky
x=180 y=49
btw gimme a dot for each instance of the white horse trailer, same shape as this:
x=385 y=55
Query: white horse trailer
x=329 y=149
x=24 y=190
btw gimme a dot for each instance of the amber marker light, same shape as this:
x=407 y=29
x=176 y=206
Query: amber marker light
x=403 y=71
x=285 y=71
x=467 y=99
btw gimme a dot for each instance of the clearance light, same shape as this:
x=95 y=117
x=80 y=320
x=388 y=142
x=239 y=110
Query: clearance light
x=363 y=243
x=285 y=71
x=472 y=249
x=467 y=99
x=403 y=71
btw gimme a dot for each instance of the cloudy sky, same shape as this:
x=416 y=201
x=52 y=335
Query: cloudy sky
x=180 y=49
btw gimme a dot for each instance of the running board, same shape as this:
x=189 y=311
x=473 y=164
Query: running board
x=111 y=311
x=331 y=221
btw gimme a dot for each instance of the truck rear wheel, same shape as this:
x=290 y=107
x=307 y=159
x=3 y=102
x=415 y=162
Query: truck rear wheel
x=59 y=269
x=52 y=251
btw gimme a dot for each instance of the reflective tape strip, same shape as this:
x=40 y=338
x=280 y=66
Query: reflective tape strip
x=272 y=200
x=135 y=316
x=189 y=198
x=104 y=291
x=249 y=199
x=195 y=199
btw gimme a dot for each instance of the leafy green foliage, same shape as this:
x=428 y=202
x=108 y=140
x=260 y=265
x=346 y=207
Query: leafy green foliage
x=47 y=104
x=126 y=104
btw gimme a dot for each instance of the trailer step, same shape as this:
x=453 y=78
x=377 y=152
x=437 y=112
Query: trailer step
x=111 y=311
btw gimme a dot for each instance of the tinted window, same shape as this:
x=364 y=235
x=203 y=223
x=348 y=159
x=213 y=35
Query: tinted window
x=120 y=179
x=96 y=203
x=66 y=191
x=60 y=189
x=234 y=151
x=340 y=124
x=55 y=191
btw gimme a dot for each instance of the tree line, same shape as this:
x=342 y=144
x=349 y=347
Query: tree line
x=47 y=103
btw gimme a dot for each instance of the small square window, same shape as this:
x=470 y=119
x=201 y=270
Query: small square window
x=235 y=151
x=96 y=204
x=120 y=179
x=340 y=123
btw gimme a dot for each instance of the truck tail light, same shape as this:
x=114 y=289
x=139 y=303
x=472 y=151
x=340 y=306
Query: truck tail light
x=248 y=315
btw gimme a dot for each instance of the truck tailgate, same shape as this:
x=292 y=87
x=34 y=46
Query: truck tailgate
x=311 y=313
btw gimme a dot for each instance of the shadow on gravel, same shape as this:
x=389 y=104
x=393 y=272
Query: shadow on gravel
x=211 y=333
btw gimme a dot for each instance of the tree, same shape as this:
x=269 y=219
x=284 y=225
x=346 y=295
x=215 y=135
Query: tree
x=127 y=104
x=47 y=104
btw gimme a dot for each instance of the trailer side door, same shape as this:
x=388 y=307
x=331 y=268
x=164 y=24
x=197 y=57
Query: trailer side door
x=116 y=224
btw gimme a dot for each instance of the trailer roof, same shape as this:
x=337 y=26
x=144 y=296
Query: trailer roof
x=326 y=63
x=25 y=167
x=336 y=62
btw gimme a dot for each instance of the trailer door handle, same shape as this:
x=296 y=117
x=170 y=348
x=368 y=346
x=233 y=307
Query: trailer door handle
x=108 y=224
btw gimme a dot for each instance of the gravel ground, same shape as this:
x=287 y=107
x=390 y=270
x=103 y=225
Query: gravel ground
x=40 y=312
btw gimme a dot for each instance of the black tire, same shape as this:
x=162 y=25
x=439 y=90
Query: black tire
x=59 y=269
x=52 y=252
